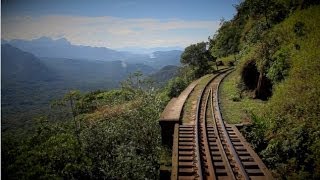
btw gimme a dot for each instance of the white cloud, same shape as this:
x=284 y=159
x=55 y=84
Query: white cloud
x=109 y=31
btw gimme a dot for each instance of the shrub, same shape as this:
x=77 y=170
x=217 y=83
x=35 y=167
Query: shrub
x=299 y=29
x=219 y=63
x=230 y=63
x=279 y=67
x=176 y=86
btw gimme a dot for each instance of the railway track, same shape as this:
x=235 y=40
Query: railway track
x=212 y=149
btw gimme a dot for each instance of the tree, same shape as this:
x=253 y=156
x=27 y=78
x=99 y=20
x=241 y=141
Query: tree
x=72 y=97
x=227 y=40
x=137 y=82
x=270 y=10
x=176 y=86
x=197 y=56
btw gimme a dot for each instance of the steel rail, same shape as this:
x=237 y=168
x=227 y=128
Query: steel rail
x=230 y=145
x=224 y=154
x=198 y=160
x=205 y=138
x=197 y=135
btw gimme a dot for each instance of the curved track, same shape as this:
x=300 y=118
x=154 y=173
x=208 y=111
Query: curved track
x=211 y=149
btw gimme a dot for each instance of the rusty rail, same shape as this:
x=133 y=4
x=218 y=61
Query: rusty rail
x=213 y=151
x=239 y=165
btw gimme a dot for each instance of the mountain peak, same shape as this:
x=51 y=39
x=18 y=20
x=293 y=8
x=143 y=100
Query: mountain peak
x=3 y=41
x=63 y=41
x=47 y=40
x=43 y=39
x=141 y=50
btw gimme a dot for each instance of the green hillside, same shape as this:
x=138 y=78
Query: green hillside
x=277 y=57
x=30 y=83
x=114 y=134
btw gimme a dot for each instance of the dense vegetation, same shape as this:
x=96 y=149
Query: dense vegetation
x=114 y=134
x=98 y=134
x=29 y=83
x=104 y=134
x=275 y=45
x=111 y=134
x=101 y=134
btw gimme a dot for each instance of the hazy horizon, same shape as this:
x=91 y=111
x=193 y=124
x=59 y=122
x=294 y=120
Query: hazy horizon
x=115 y=24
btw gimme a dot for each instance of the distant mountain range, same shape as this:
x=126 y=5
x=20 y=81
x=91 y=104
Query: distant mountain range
x=20 y=66
x=62 y=48
x=138 y=50
x=29 y=82
x=162 y=76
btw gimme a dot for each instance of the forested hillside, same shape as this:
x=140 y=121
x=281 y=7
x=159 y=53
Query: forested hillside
x=114 y=134
x=99 y=134
x=30 y=83
x=275 y=46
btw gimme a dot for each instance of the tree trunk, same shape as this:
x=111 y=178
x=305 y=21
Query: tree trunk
x=259 y=85
x=76 y=124
x=266 y=14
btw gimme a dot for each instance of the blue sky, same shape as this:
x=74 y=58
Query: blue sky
x=116 y=23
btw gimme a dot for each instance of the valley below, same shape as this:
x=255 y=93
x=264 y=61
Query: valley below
x=30 y=83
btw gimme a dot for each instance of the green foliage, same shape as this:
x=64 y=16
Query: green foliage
x=115 y=134
x=256 y=33
x=176 y=86
x=291 y=152
x=299 y=29
x=194 y=54
x=280 y=39
x=126 y=147
x=165 y=74
x=24 y=97
x=255 y=133
x=292 y=114
x=198 y=57
x=115 y=96
x=236 y=106
x=272 y=11
x=254 y=17
x=266 y=63
x=121 y=146
x=226 y=41
x=52 y=151
x=229 y=60
x=279 y=67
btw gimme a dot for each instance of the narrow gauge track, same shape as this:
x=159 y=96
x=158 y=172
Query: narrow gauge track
x=211 y=149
